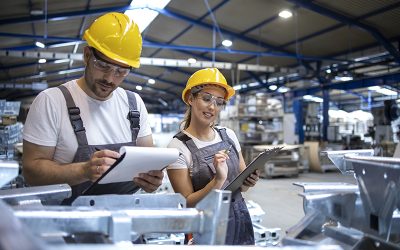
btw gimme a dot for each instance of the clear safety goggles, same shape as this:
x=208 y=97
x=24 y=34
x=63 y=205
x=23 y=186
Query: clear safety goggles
x=107 y=67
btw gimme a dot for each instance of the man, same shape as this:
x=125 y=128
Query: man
x=73 y=132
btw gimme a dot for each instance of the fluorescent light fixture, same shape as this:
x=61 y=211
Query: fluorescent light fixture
x=143 y=15
x=164 y=103
x=237 y=87
x=317 y=99
x=151 y=81
x=61 y=61
x=227 y=43
x=273 y=87
x=285 y=14
x=343 y=78
x=374 y=88
x=253 y=84
x=37 y=12
x=283 y=89
x=42 y=60
x=383 y=91
x=307 y=97
x=328 y=71
x=139 y=87
x=39 y=44
x=191 y=60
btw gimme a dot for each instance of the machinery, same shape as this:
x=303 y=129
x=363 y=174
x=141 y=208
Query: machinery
x=363 y=216
x=31 y=218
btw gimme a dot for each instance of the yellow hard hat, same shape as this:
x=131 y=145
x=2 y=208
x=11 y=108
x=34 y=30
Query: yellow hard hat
x=117 y=37
x=207 y=76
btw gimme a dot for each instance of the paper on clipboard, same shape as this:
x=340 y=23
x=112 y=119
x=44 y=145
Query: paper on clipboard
x=139 y=160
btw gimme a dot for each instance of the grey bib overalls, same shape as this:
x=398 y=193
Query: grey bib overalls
x=240 y=228
x=85 y=151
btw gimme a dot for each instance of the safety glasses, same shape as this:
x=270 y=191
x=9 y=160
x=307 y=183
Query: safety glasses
x=107 y=67
x=208 y=99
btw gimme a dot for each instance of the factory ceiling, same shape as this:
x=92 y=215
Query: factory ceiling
x=342 y=47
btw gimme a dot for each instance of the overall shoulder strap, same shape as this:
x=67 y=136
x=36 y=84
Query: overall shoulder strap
x=133 y=115
x=74 y=116
x=187 y=141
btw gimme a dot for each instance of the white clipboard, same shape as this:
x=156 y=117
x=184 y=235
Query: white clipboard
x=135 y=160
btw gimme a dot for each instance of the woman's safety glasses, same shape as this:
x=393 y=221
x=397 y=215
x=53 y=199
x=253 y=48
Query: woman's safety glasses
x=107 y=67
x=208 y=99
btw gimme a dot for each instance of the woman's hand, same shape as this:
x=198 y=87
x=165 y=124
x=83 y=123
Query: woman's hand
x=221 y=167
x=250 y=181
x=99 y=163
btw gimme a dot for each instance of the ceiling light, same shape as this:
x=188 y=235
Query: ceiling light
x=61 y=61
x=273 y=87
x=227 y=43
x=37 y=12
x=143 y=14
x=385 y=91
x=40 y=44
x=42 y=60
x=151 y=81
x=192 y=60
x=283 y=89
x=139 y=87
x=253 y=84
x=374 y=88
x=285 y=14
x=237 y=87
x=343 y=78
x=328 y=71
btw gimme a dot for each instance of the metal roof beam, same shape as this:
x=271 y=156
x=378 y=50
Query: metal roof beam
x=178 y=16
x=388 y=79
x=191 y=25
x=65 y=15
x=334 y=27
x=349 y=21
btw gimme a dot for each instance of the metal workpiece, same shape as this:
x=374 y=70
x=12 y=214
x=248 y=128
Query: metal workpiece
x=323 y=187
x=215 y=213
x=168 y=200
x=13 y=234
x=337 y=157
x=41 y=195
x=348 y=236
x=339 y=207
x=379 y=182
x=128 y=246
x=8 y=171
x=208 y=220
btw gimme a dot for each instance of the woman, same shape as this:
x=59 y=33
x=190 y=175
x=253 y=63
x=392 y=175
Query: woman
x=211 y=156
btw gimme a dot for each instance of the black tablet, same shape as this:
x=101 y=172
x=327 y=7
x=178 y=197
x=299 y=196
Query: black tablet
x=256 y=163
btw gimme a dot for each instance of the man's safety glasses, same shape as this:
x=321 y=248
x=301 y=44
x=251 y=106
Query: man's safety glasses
x=107 y=67
x=209 y=99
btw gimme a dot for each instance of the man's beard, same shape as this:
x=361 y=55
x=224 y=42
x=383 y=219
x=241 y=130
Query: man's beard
x=99 y=87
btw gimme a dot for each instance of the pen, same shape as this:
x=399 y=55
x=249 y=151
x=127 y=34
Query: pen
x=228 y=150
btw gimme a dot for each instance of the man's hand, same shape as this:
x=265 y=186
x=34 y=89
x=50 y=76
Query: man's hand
x=149 y=181
x=99 y=163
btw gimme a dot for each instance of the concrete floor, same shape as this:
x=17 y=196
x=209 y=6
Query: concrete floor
x=279 y=198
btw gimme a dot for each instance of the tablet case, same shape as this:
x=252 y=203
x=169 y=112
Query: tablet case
x=256 y=163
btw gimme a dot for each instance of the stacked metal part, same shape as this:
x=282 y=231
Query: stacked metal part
x=363 y=216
